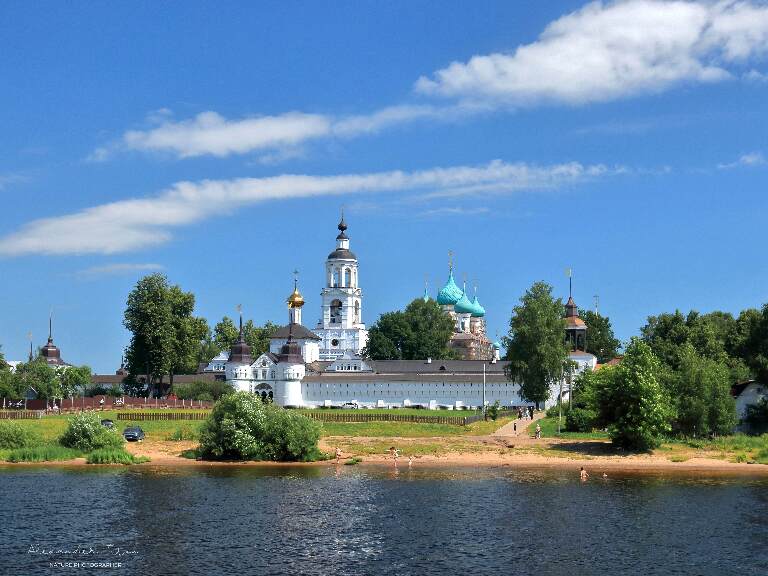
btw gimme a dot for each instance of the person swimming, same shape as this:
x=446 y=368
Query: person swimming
x=583 y=474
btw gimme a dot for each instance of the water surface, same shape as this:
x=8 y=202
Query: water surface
x=376 y=520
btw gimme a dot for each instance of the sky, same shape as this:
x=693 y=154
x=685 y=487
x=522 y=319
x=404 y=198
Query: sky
x=218 y=142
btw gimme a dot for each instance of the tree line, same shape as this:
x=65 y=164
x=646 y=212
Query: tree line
x=168 y=339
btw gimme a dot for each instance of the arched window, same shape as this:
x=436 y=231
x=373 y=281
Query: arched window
x=347 y=277
x=336 y=312
x=335 y=277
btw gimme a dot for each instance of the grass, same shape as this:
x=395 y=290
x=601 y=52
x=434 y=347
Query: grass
x=43 y=453
x=410 y=429
x=399 y=411
x=114 y=456
x=549 y=430
x=353 y=461
x=184 y=433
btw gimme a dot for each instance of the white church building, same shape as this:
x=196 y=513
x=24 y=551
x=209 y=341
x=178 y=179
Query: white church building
x=323 y=367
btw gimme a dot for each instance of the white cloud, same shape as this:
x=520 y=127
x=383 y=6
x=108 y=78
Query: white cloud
x=117 y=269
x=280 y=137
x=138 y=223
x=751 y=159
x=210 y=133
x=606 y=51
x=455 y=211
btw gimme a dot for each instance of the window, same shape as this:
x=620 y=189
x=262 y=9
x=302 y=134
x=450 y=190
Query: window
x=336 y=313
x=347 y=277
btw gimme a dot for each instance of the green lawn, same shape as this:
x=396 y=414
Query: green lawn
x=410 y=430
x=549 y=430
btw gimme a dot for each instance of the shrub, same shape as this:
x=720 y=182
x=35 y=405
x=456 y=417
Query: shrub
x=203 y=390
x=16 y=435
x=182 y=434
x=114 y=456
x=242 y=427
x=493 y=410
x=353 y=461
x=86 y=433
x=579 y=420
x=43 y=453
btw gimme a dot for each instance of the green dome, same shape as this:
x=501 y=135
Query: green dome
x=479 y=311
x=450 y=294
x=464 y=306
x=497 y=345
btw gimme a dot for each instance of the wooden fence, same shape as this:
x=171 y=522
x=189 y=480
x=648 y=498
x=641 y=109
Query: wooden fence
x=20 y=414
x=158 y=416
x=413 y=418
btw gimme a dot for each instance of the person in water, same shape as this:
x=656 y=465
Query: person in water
x=583 y=474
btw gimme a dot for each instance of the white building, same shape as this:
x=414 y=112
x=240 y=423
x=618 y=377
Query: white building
x=323 y=367
x=341 y=328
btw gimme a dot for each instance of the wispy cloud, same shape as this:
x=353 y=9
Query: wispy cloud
x=602 y=52
x=116 y=269
x=751 y=159
x=455 y=211
x=279 y=137
x=10 y=179
x=606 y=51
x=138 y=223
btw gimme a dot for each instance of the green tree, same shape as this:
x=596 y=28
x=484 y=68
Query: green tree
x=601 y=340
x=74 y=379
x=166 y=337
x=536 y=347
x=754 y=345
x=701 y=390
x=40 y=376
x=632 y=400
x=226 y=333
x=149 y=318
x=420 y=331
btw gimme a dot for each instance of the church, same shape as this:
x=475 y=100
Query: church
x=323 y=367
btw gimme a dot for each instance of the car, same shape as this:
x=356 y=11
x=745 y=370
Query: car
x=107 y=423
x=350 y=406
x=133 y=434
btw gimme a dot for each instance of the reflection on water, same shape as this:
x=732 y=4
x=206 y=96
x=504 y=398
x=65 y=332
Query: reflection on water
x=374 y=520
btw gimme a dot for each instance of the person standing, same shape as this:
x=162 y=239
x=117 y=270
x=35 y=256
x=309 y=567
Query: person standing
x=583 y=474
x=538 y=431
x=338 y=454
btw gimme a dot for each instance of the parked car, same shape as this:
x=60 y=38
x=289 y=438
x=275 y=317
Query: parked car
x=107 y=423
x=350 y=406
x=133 y=434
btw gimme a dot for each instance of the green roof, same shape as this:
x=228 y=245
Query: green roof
x=450 y=293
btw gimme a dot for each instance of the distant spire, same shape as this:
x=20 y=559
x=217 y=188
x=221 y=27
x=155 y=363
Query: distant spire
x=426 y=285
x=597 y=304
x=296 y=278
x=570 y=282
x=240 y=311
x=29 y=335
x=50 y=326
x=450 y=260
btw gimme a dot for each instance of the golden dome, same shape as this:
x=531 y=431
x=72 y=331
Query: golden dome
x=295 y=300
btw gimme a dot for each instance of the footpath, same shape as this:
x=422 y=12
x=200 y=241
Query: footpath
x=521 y=424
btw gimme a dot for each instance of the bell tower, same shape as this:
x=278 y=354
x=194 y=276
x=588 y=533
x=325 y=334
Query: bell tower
x=341 y=325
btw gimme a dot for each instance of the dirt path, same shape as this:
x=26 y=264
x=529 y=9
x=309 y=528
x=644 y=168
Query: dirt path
x=518 y=427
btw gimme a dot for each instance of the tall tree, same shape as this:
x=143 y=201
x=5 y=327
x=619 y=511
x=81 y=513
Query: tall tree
x=420 y=331
x=536 y=347
x=701 y=392
x=40 y=376
x=601 y=340
x=74 y=379
x=632 y=400
x=166 y=336
x=753 y=328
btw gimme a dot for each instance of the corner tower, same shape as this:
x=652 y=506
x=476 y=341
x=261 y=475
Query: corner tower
x=341 y=325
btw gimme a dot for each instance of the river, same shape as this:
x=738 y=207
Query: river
x=360 y=520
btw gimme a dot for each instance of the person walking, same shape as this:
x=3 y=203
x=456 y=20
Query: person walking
x=538 y=431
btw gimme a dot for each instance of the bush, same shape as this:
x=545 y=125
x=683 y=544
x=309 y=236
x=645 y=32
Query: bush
x=579 y=420
x=114 y=456
x=492 y=411
x=203 y=390
x=242 y=427
x=86 y=433
x=16 y=435
x=182 y=434
x=45 y=453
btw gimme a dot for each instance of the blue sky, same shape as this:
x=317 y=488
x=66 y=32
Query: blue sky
x=217 y=143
